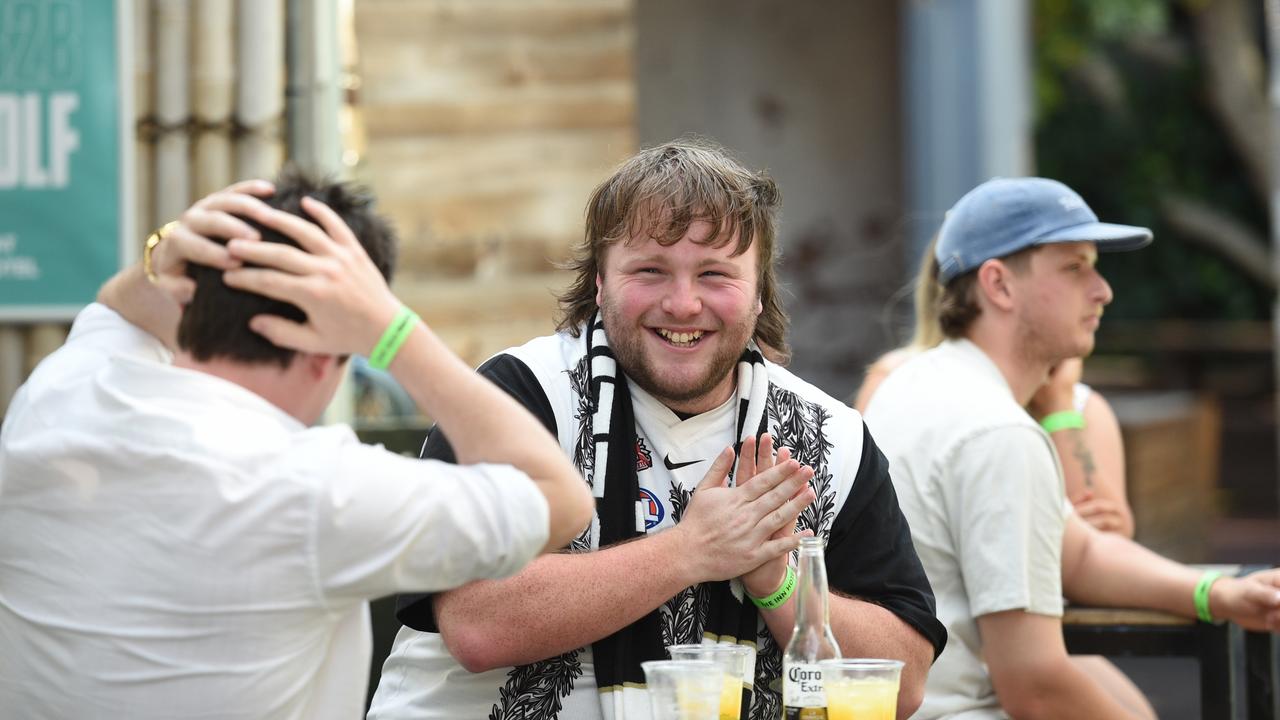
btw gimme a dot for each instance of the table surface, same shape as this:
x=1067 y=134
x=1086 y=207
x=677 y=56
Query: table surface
x=1238 y=670
x=1121 y=616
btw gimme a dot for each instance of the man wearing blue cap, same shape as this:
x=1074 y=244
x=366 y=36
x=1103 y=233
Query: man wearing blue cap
x=980 y=482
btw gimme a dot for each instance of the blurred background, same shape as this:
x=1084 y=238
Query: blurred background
x=483 y=125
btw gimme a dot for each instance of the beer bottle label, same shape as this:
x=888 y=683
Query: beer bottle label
x=802 y=696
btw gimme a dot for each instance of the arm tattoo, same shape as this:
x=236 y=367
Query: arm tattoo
x=1085 y=458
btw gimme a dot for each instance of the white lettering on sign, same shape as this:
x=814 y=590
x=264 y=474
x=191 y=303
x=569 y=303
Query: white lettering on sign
x=18 y=267
x=25 y=123
x=41 y=42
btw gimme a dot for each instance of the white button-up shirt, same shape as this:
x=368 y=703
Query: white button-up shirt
x=172 y=545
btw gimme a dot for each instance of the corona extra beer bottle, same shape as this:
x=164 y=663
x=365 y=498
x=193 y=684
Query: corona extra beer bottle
x=811 y=640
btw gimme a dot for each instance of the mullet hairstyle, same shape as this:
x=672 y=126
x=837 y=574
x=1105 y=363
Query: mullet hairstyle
x=658 y=194
x=215 y=324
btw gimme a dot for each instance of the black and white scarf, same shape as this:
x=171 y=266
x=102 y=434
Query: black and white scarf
x=609 y=467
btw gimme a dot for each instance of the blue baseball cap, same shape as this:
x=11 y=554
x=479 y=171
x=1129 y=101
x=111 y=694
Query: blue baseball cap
x=1004 y=215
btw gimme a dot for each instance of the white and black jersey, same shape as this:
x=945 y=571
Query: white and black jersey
x=870 y=554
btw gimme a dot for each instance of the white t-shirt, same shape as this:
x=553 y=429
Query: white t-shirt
x=981 y=485
x=172 y=545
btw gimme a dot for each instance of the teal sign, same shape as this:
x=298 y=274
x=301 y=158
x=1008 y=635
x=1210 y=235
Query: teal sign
x=65 y=154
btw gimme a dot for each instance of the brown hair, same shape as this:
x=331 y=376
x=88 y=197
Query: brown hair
x=662 y=191
x=215 y=324
x=958 y=302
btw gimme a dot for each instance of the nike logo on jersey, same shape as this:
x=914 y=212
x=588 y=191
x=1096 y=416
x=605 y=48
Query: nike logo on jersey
x=666 y=460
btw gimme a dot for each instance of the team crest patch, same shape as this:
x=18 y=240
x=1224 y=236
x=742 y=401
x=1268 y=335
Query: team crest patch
x=653 y=510
x=644 y=457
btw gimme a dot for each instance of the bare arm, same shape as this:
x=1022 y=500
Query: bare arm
x=1032 y=674
x=475 y=620
x=143 y=304
x=1105 y=569
x=725 y=532
x=1093 y=458
x=1105 y=505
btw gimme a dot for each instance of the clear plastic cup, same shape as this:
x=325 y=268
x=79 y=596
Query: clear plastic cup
x=861 y=689
x=683 y=689
x=738 y=663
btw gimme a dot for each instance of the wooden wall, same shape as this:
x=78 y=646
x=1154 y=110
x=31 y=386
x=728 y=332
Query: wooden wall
x=487 y=124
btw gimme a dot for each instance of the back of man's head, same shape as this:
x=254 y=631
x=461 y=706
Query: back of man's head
x=215 y=324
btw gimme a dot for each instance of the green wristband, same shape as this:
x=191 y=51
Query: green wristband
x=779 y=596
x=1202 y=595
x=1063 y=420
x=397 y=332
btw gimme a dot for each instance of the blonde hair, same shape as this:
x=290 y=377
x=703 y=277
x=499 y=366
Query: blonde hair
x=661 y=192
x=928 y=294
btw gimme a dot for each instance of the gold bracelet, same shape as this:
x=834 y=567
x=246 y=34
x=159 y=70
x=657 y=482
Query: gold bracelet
x=152 y=241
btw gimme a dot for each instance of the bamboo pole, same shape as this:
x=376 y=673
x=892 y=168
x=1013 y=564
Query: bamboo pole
x=172 y=89
x=42 y=340
x=315 y=140
x=144 y=125
x=259 y=154
x=142 y=47
x=173 y=175
x=12 y=359
x=213 y=79
x=213 y=67
x=213 y=161
x=260 y=87
x=172 y=108
x=144 y=165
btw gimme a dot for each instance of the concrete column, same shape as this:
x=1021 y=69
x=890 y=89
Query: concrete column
x=968 y=103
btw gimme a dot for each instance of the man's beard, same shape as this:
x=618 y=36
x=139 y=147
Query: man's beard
x=628 y=350
x=1035 y=346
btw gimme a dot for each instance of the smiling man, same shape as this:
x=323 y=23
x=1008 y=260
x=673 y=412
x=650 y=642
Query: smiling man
x=657 y=376
x=980 y=480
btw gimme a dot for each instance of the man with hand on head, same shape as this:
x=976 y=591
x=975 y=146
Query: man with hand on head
x=177 y=541
x=657 y=375
x=980 y=480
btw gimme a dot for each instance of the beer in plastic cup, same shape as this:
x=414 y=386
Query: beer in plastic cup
x=683 y=689
x=861 y=689
x=738 y=663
